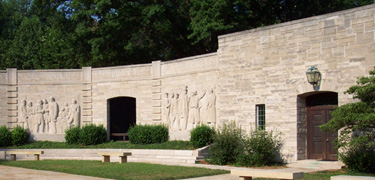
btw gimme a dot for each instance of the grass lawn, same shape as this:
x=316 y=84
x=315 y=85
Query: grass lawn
x=176 y=145
x=115 y=170
x=326 y=175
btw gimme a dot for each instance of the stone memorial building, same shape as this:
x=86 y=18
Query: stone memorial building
x=257 y=78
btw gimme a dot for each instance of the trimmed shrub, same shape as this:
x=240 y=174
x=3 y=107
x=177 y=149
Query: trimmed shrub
x=202 y=136
x=148 y=134
x=227 y=145
x=359 y=155
x=262 y=148
x=19 y=136
x=72 y=135
x=92 y=134
x=5 y=136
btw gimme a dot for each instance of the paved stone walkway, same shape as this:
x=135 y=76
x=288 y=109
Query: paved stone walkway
x=15 y=173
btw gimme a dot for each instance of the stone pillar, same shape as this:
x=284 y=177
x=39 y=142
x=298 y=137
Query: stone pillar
x=156 y=91
x=12 y=98
x=86 y=95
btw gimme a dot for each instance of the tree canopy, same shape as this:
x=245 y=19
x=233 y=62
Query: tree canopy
x=48 y=34
x=356 y=122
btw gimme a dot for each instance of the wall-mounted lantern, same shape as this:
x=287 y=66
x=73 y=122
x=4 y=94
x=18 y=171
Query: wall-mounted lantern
x=314 y=77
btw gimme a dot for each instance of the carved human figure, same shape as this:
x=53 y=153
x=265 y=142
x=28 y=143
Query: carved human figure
x=172 y=114
x=74 y=111
x=30 y=115
x=23 y=119
x=194 y=110
x=183 y=108
x=53 y=114
x=176 y=121
x=166 y=105
x=63 y=119
x=38 y=118
x=211 y=108
x=47 y=120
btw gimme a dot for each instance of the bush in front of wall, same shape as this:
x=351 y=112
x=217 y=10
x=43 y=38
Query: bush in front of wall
x=202 y=136
x=92 y=134
x=72 y=135
x=19 y=136
x=227 y=145
x=261 y=148
x=148 y=134
x=5 y=136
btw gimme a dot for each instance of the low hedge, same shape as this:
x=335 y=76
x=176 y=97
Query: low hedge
x=148 y=134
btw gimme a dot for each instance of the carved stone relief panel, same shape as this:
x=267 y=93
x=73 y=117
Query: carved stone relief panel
x=184 y=110
x=47 y=116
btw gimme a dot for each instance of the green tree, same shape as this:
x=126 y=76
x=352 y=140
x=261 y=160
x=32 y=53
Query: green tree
x=356 y=122
x=99 y=33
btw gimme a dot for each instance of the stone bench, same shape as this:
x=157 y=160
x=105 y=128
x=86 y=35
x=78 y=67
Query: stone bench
x=13 y=154
x=123 y=135
x=123 y=156
x=345 y=177
x=248 y=174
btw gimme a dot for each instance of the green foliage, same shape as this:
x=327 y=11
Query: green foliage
x=92 y=134
x=89 y=135
x=148 y=134
x=356 y=122
x=5 y=136
x=227 y=145
x=19 y=136
x=42 y=34
x=260 y=149
x=177 y=145
x=72 y=135
x=202 y=136
x=231 y=146
x=358 y=156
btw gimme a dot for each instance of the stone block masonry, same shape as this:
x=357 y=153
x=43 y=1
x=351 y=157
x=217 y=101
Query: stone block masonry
x=264 y=66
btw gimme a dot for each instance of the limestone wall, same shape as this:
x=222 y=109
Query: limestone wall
x=260 y=66
x=184 y=77
x=268 y=65
x=3 y=100
x=129 y=81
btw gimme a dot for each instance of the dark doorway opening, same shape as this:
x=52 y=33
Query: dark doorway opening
x=122 y=115
x=320 y=144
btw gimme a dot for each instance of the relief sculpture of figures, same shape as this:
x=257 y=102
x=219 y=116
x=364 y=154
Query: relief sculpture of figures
x=46 y=116
x=172 y=113
x=166 y=105
x=211 y=108
x=74 y=112
x=193 y=118
x=30 y=115
x=53 y=114
x=38 y=118
x=183 y=109
x=23 y=122
x=176 y=121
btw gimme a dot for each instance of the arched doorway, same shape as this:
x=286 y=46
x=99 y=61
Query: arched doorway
x=122 y=115
x=320 y=144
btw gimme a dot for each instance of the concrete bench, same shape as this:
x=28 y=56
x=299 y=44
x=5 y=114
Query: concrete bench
x=345 y=177
x=13 y=154
x=123 y=156
x=248 y=174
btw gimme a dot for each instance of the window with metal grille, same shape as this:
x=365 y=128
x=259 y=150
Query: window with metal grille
x=261 y=116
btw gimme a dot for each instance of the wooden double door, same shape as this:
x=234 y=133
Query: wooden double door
x=320 y=144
